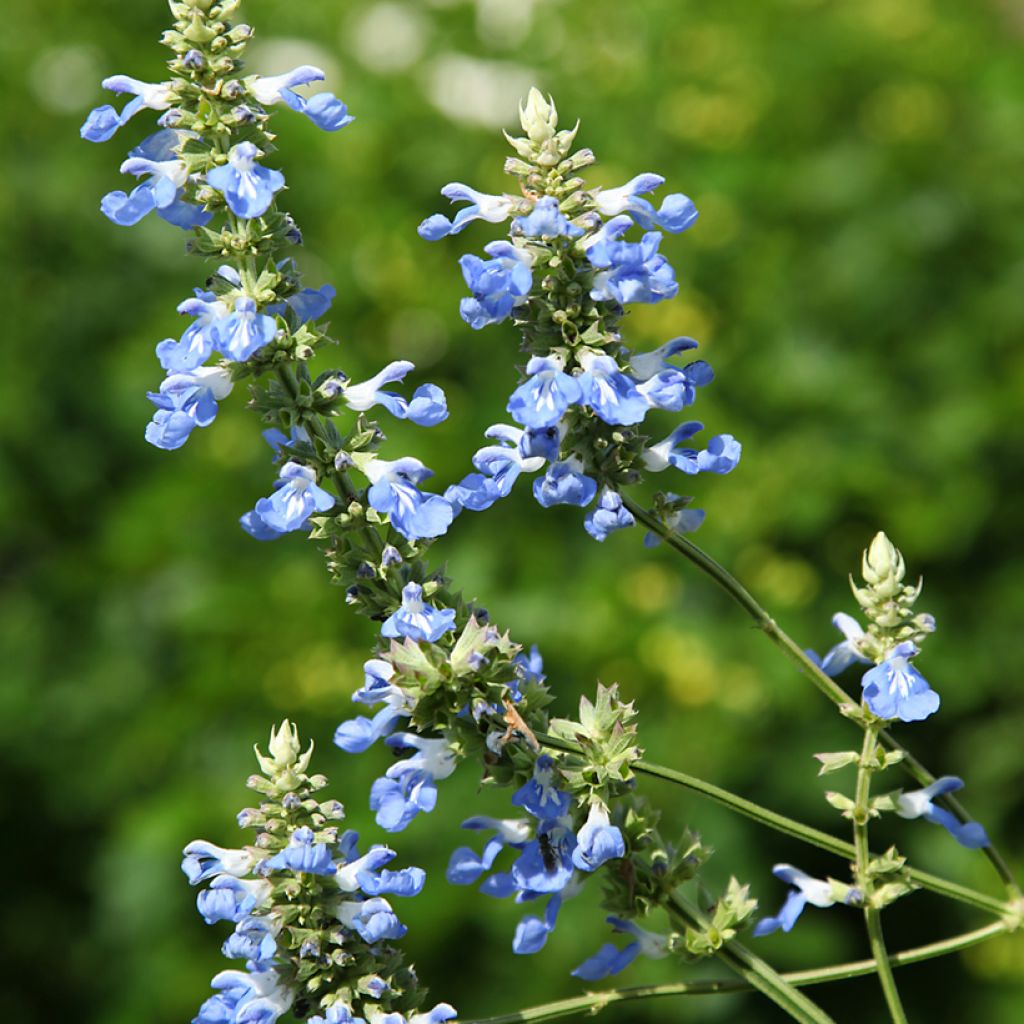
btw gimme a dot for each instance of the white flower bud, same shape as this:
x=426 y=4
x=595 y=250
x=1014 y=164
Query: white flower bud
x=538 y=117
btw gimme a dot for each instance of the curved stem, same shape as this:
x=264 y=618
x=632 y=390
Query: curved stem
x=872 y=915
x=789 y=826
x=593 y=1002
x=795 y=653
x=755 y=971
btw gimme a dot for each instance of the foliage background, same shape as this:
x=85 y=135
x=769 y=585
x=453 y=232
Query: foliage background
x=857 y=280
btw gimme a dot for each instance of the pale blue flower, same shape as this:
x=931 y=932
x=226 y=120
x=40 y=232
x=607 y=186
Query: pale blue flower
x=895 y=689
x=104 y=121
x=805 y=890
x=609 y=515
x=417 y=620
x=409 y=787
x=324 y=109
x=565 y=484
x=546 y=394
x=498 y=284
x=721 y=456
x=199 y=341
x=848 y=650
x=248 y=188
x=628 y=271
x=244 y=331
x=598 y=841
x=303 y=854
x=493 y=209
x=203 y=860
x=677 y=211
x=609 y=960
x=296 y=497
x=186 y=400
x=532 y=932
x=359 y=734
x=393 y=492
x=545 y=220
x=466 y=866
x=256 y=997
x=427 y=408
x=609 y=392
x=920 y=804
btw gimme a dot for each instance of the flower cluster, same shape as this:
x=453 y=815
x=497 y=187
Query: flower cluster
x=564 y=277
x=311 y=917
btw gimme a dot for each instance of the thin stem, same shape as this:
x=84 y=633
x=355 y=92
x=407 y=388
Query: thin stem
x=755 y=971
x=795 y=653
x=872 y=914
x=789 y=826
x=593 y=1002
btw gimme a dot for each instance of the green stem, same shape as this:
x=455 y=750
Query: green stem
x=789 y=826
x=755 y=971
x=592 y=1003
x=872 y=914
x=795 y=653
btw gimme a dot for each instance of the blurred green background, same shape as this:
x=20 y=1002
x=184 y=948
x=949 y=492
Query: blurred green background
x=857 y=281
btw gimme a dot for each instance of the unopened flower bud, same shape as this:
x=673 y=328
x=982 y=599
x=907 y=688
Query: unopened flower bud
x=538 y=117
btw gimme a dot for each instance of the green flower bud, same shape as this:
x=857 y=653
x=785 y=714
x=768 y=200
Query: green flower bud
x=538 y=117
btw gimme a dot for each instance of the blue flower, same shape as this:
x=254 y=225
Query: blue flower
x=493 y=209
x=244 y=331
x=307 y=304
x=848 y=650
x=254 y=940
x=532 y=932
x=609 y=392
x=545 y=220
x=296 y=497
x=646 y=365
x=248 y=188
x=257 y=528
x=416 y=620
x=325 y=110
x=498 y=285
x=466 y=866
x=427 y=408
x=677 y=211
x=546 y=394
x=598 y=840
x=530 y=667
x=359 y=734
x=609 y=516
x=372 y=919
x=410 y=786
x=185 y=401
x=919 y=804
x=230 y=899
x=545 y=865
x=103 y=122
x=393 y=492
x=805 y=890
x=199 y=341
x=609 y=960
x=168 y=174
x=895 y=689
x=565 y=484
x=499 y=466
x=303 y=854
x=257 y=997
x=203 y=860
x=627 y=271
x=540 y=796
x=722 y=455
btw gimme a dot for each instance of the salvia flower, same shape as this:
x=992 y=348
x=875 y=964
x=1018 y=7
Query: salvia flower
x=200 y=340
x=409 y=787
x=543 y=398
x=248 y=187
x=296 y=497
x=498 y=284
x=244 y=331
x=494 y=209
x=609 y=959
x=427 y=408
x=103 y=122
x=416 y=619
x=608 y=516
x=805 y=889
x=186 y=400
x=848 y=650
x=394 y=493
x=895 y=689
x=360 y=733
x=324 y=109
x=920 y=804
x=629 y=271
x=545 y=220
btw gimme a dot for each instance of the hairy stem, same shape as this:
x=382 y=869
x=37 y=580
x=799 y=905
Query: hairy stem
x=593 y=1002
x=824 y=683
x=872 y=914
